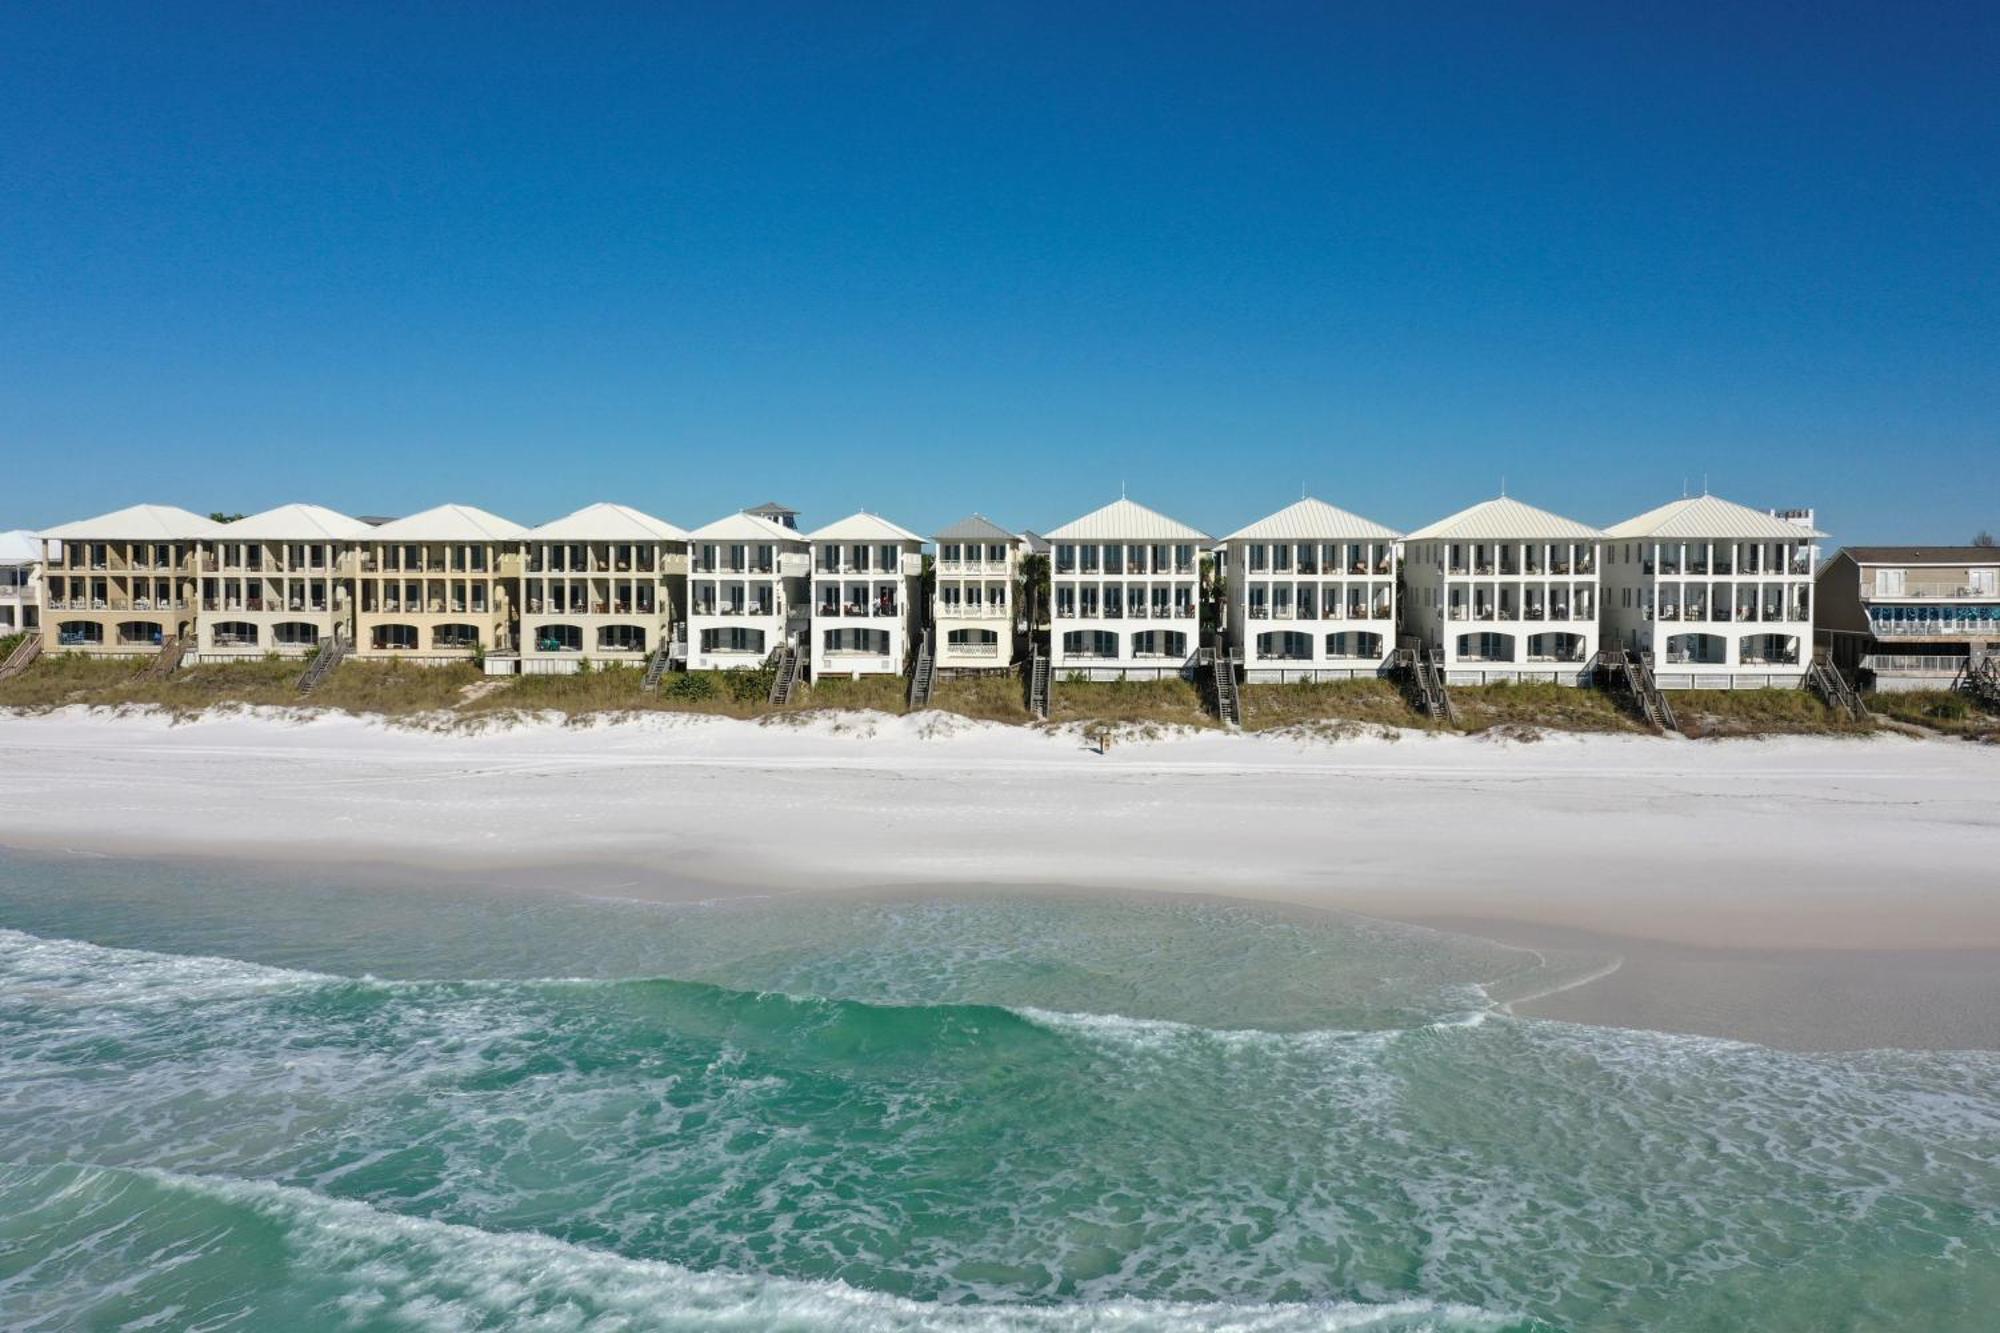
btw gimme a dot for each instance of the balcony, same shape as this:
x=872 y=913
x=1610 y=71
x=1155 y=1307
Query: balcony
x=1932 y=590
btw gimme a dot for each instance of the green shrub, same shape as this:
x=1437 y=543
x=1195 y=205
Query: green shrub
x=689 y=686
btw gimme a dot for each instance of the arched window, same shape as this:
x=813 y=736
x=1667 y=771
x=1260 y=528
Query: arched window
x=80 y=634
x=621 y=639
x=1697 y=650
x=1486 y=646
x=1354 y=643
x=140 y=632
x=733 y=639
x=1768 y=650
x=1285 y=646
x=235 y=634
x=447 y=638
x=294 y=634
x=1555 y=647
x=394 y=638
x=972 y=638
x=1159 y=643
x=557 y=639
x=872 y=642
x=1089 y=643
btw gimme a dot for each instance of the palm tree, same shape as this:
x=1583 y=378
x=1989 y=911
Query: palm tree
x=1033 y=594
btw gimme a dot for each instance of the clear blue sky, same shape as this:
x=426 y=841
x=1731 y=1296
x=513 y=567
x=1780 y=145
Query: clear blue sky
x=930 y=258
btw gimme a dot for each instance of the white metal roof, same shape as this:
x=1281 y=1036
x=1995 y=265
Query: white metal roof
x=139 y=523
x=605 y=522
x=1311 y=520
x=449 y=523
x=975 y=528
x=19 y=547
x=296 y=522
x=1503 y=519
x=1710 y=518
x=863 y=527
x=746 y=527
x=1126 y=521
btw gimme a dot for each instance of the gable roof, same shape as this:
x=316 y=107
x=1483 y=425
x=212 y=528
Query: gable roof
x=746 y=527
x=138 y=523
x=606 y=522
x=1919 y=555
x=975 y=528
x=864 y=527
x=1502 y=519
x=1126 y=520
x=1710 y=517
x=449 y=523
x=1313 y=520
x=1036 y=542
x=300 y=522
x=19 y=547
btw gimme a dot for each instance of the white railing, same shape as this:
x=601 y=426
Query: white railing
x=1914 y=662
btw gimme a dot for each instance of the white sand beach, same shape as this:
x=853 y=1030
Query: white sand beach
x=1884 y=846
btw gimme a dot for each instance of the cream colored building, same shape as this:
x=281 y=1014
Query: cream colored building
x=20 y=582
x=1312 y=594
x=1719 y=593
x=747 y=591
x=605 y=585
x=439 y=586
x=1506 y=592
x=123 y=584
x=865 y=575
x=277 y=582
x=973 y=614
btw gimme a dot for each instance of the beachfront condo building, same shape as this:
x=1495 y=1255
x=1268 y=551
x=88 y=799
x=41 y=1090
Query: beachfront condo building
x=866 y=573
x=1720 y=594
x=972 y=603
x=1312 y=594
x=123 y=584
x=1909 y=617
x=438 y=586
x=20 y=582
x=276 y=582
x=747 y=590
x=1126 y=592
x=1505 y=592
x=605 y=585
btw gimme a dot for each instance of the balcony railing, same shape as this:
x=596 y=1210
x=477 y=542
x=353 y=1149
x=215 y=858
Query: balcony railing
x=1931 y=589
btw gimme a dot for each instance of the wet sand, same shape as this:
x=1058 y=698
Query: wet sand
x=1807 y=999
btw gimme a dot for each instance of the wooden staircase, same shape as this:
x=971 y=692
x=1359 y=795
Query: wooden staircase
x=168 y=659
x=1422 y=673
x=1832 y=687
x=787 y=679
x=1228 y=697
x=24 y=655
x=1981 y=681
x=1038 y=685
x=332 y=651
x=1623 y=670
x=656 y=667
x=922 y=673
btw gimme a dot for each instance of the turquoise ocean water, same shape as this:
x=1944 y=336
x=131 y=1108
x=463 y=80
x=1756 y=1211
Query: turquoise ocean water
x=231 y=1100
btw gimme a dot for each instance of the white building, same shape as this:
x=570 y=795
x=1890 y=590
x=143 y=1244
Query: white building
x=604 y=585
x=277 y=582
x=20 y=582
x=123 y=584
x=866 y=572
x=747 y=580
x=1506 y=591
x=438 y=586
x=1719 y=593
x=1312 y=594
x=1126 y=588
x=972 y=605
